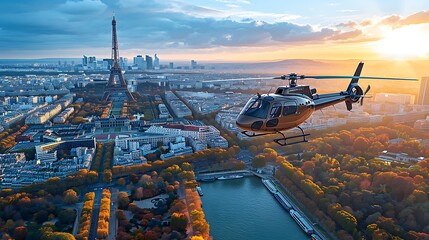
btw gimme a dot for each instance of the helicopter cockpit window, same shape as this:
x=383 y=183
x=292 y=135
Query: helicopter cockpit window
x=289 y=108
x=258 y=108
x=276 y=110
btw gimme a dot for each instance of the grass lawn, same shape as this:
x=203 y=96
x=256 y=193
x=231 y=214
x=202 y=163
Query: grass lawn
x=117 y=129
x=115 y=113
x=106 y=130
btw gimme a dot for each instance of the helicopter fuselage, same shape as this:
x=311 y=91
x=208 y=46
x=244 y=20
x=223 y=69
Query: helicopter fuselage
x=289 y=107
x=275 y=112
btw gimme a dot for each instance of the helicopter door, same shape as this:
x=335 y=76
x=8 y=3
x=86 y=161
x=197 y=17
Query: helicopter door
x=290 y=108
x=275 y=112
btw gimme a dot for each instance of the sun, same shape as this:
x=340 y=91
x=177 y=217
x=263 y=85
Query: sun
x=409 y=42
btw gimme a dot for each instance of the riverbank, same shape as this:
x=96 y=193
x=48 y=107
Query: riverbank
x=297 y=205
x=304 y=223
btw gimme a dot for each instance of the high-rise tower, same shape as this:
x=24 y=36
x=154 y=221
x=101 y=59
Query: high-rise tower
x=113 y=86
x=424 y=92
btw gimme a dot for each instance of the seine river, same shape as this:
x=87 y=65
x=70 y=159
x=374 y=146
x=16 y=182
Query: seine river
x=244 y=209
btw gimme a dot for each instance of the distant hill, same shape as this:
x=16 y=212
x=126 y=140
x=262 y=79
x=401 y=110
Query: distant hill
x=416 y=69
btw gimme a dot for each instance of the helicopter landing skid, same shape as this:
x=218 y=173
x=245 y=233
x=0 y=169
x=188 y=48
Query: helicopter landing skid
x=252 y=134
x=284 y=141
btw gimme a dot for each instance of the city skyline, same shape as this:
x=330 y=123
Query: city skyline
x=217 y=30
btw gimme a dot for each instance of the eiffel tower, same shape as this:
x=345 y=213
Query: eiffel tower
x=112 y=86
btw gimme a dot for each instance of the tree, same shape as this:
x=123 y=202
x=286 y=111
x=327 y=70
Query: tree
x=259 y=161
x=123 y=200
x=197 y=238
x=70 y=197
x=346 y=220
x=20 y=233
x=61 y=236
x=179 y=221
x=92 y=177
x=120 y=214
x=270 y=154
x=107 y=176
x=78 y=120
x=121 y=182
x=67 y=216
x=187 y=166
x=253 y=149
x=361 y=144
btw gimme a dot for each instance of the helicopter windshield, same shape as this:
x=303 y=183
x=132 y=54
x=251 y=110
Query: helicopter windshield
x=257 y=108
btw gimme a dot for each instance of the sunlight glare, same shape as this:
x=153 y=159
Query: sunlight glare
x=408 y=42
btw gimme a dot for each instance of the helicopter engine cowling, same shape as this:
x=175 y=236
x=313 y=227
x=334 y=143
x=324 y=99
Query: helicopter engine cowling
x=356 y=93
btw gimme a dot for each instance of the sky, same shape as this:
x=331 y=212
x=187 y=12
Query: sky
x=217 y=30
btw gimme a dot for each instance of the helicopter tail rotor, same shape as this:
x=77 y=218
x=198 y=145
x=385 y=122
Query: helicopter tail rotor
x=366 y=91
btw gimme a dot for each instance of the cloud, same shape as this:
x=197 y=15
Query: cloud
x=347 y=35
x=349 y=24
x=234 y=1
x=391 y=20
x=146 y=24
x=158 y=24
x=398 y=21
x=82 y=7
x=417 y=18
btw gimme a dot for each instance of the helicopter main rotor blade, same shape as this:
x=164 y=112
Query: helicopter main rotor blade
x=239 y=79
x=361 y=77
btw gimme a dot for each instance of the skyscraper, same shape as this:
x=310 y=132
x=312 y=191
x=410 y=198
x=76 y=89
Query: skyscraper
x=424 y=91
x=194 y=64
x=84 y=60
x=140 y=62
x=156 y=62
x=149 y=62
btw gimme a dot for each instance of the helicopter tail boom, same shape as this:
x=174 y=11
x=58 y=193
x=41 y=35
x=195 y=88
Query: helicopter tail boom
x=352 y=95
x=355 y=78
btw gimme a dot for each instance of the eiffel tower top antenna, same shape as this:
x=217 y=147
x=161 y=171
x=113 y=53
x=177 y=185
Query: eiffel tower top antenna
x=115 y=49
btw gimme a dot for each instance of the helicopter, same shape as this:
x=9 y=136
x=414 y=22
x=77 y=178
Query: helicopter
x=292 y=105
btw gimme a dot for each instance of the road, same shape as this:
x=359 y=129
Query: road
x=113 y=223
x=95 y=212
x=78 y=208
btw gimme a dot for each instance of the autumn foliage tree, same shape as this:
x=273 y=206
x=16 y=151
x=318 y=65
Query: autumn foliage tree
x=353 y=193
x=259 y=161
x=104 y=215
x=70 y=197
x=85 y=217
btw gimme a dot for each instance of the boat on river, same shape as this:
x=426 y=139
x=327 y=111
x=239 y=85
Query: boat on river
x=200 y=191
x=228 y=177
x=208 y=179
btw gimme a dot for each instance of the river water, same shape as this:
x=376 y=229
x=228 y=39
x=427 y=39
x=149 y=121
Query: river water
x=244 y=209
